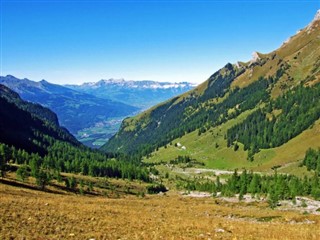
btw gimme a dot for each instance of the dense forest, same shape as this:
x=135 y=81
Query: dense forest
x=63 y=157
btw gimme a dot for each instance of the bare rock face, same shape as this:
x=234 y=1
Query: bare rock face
x=255 y=58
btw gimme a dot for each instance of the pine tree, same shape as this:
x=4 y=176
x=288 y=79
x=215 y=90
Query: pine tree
x=22 y=173
x=3 y=160
x=315 y=187
x=218 y=184
x=243 y=184
x=273 y=198
x=233 y=183
x=43 y=177
x=254 y=186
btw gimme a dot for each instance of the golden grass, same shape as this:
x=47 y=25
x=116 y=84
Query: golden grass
x=30 y=214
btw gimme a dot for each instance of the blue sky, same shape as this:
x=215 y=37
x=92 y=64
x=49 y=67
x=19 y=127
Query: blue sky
x=85 y=41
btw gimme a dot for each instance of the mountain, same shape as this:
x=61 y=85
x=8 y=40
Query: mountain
x=29 y=126
x=42 y=112
x=265 y=111
x=75 y=110
x=142 y=94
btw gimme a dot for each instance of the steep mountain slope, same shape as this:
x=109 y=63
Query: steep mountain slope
x=29 y=126
x=142 y=94
x=42 y=112
x=75 y=110
x=268 y=101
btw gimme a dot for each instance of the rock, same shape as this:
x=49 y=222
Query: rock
x=255 y=57
x=219 y=230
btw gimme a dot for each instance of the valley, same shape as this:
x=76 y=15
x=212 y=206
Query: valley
x=93 y=112
x=97 y=135
x=140 y=94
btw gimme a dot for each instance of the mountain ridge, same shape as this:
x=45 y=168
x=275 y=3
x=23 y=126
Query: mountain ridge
x=134 y=83
x=140 y=93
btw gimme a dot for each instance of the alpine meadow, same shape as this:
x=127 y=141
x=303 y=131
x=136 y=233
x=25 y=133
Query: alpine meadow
x=234 y=157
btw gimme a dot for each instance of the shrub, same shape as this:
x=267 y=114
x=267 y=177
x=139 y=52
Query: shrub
x=156 y=188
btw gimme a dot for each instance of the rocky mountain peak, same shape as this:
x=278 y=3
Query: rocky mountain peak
x=255 y=58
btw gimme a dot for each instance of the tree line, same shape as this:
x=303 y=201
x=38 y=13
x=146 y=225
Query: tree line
x=63 y=157
x=275 y=187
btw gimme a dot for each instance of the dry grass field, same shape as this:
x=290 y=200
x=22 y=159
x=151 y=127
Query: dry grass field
x=32 y=214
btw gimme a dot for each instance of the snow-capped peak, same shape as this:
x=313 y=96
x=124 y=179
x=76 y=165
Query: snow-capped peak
x=144 y=84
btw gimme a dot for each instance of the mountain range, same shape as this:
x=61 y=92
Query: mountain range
x=75 y=110
x=258 y=114
x=142 y=94
x=93 y=111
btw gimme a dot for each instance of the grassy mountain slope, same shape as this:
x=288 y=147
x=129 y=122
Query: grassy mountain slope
x=203 y=116
x=211 y=149
x=42 y=112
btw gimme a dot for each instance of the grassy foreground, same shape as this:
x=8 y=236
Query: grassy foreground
x=32 y=214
